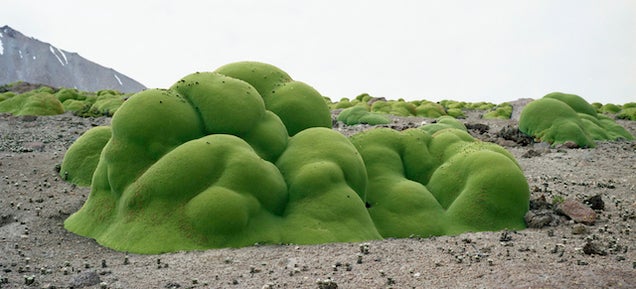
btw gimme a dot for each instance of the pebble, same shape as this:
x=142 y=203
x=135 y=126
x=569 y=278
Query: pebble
x=577 y=211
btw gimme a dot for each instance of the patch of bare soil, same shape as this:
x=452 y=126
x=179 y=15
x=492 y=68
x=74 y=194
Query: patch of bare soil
x=558 y=252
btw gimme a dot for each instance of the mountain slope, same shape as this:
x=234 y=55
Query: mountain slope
x=27 y=59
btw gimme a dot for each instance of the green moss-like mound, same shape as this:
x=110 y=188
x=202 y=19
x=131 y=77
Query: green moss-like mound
x=502 y=111
x=360 y=115
x=610 y=108
x=214 y=131
x=429 y=110
x=38 y=102
x=558 y=118
x=82 y=157
x=206 y=164
x=627 y=113
x=297 y=104
x=444 y=182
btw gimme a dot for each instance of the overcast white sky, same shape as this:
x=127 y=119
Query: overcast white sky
x=496 y=50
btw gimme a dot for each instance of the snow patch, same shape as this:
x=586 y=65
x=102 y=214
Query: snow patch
x=34 y=57
x=118 y=80
x=20 y=52
x=58 y=58
x=63 y=55
x=1 y=47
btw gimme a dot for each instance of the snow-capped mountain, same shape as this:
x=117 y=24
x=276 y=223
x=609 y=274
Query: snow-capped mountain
x=27 y=59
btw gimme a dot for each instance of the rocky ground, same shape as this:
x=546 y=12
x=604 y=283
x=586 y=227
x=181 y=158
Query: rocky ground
x=596 y=251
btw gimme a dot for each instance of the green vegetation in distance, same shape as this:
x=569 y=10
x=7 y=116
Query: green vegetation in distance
x=559 y=117
x=46 y=100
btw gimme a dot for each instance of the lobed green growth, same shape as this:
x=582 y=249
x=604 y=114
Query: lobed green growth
x=438 y=180
x=429 y=110
x=609 y=108
x=212 y=162
x=360 y=115
x=49 y=101
x=501 y=111
x=627 y=113
x=36 y=102
x=558 y=118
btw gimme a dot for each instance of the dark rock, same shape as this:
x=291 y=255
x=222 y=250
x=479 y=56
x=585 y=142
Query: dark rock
x=85 y=279
x=172 y=285
x=531 y=153
x=595 y=202
x=28 y=118
x=539 y=203
x=512 y=133
x=539 y=219
x=593 y=248
x=577 y=211
x=478 y=127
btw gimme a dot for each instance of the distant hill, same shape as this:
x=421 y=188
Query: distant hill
x=27 y=59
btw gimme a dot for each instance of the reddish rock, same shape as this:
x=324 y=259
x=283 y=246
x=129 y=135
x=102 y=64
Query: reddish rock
x=577 y=211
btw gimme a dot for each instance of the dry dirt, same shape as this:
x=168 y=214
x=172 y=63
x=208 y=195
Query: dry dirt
x=36 y=251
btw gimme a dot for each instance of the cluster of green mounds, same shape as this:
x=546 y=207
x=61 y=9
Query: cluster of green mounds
x=438 y=180
x=422 y=108
x=40 y=101
x=501 y=111
x=49 y=101
x=245 y=155
x=559 y=117
x=360 y=115
x=626 y=111
x=400 y=107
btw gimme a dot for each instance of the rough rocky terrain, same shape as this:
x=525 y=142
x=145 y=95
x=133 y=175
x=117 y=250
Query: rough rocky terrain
x=36 y=251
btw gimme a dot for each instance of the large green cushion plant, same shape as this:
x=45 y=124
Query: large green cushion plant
x=558 y=118
x=207 y=164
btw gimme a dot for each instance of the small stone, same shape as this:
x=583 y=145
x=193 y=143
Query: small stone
x=595 y=202
x=538 y=219
x=577 y=211
x=85 y=279
x=531 y=153
x=592 y=248
x=579 y=229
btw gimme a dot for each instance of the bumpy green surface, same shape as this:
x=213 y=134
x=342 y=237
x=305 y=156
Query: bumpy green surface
x=430 y=110
x=205 y=164
x=439 y=180
x=297 y=104
x=502 y=111
x=558 y=118
x=82 y=157
x=34 y=103
x=49 y=101
x=359 y=114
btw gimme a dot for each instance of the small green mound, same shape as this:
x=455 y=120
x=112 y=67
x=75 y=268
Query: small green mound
x=360 y=115
x=559 y=118
x=429 y=110
x=627 y=113
x=37 y=102
x=502 y=111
